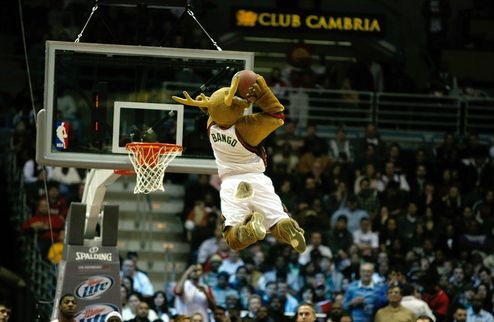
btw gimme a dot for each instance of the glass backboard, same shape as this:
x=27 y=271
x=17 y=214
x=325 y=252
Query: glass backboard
x=99 y=97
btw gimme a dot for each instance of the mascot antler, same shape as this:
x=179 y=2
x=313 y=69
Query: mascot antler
x=223 y=106
x=204 y=101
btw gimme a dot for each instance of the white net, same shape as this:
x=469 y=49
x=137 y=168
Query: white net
x=150 y=161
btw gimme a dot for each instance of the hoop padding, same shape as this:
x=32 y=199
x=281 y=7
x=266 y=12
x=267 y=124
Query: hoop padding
x=150 y=161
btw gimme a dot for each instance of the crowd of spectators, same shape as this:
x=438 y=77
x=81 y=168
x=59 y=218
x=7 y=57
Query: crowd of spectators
x=377 y=215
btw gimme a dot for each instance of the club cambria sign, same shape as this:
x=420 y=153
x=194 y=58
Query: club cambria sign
x=259 y=19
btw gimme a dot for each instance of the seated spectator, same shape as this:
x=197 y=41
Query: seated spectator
x=407 y=224
x=365 y=237
x=231 y=263
x=415 y=303
x=141 y=282
x=368 y=198
x=340 y=147
x=69 y=180
x=160 y=306
x=460 y=313
x=391 y=175
x=315 y=243
x=223 y=289
x=476 y=312
x=131 y=311
x=254 y=304
x=352 y=212
x=339 y=237
x=290 y=302
x=58 y=203
x=45 y=226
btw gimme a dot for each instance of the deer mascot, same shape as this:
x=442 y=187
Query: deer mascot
x=249 y=204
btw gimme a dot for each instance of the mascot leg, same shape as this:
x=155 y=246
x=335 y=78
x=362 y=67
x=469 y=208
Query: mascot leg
x=243 y=235
x=289 y=232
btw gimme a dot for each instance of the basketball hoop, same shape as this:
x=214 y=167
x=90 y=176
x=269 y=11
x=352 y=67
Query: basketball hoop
x=150 y=161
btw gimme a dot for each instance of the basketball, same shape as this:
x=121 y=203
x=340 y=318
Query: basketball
x=247 y=78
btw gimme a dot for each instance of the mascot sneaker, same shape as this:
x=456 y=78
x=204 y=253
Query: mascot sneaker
x=287 y=230
x=244 y=191
x=254 y=226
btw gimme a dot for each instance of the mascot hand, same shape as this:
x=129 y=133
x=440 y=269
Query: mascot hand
x=260 y=94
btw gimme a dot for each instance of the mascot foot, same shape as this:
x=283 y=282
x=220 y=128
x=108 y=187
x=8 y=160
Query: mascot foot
x=288 y=231
x=244 y=191
x=255 y=226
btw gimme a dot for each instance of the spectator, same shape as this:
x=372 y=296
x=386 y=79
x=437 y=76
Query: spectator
x=333 y=278
x=424 y=318
x=160 y=306
x=435 y=296
x=352 y=212
x=34 y=177
x=67 y=308
x=314 y=244
x=142 y=313
x=268 y=292
x=306 y=313
x=223 y=289
x=132 y=309
x=196 y=317
x=58 y=203
x=346 y=318
x=191 y=294
x=415 y=303
x=407 y=224
x=339 y=237
x=135 y=256
x=394 y=311
x=391 y=175
x=340 y=147
x=114 y=317
x=220 y=314
x=365 y=237
x=231 y=263
x=201 y=221
x=460 y=314
x=290 y=302
x=69 y=180
x=368 y=198
x=142 y=283
x=254 y=304
x=5 y=312
x=45 y=226
x=363 y=298
x=476 y=312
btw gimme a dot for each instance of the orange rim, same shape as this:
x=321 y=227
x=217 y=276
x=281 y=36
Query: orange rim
x=163 y=147
x=148 y=153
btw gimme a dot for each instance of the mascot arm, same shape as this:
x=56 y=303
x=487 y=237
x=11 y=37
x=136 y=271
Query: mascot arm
x=261 y=95
x=254 y=128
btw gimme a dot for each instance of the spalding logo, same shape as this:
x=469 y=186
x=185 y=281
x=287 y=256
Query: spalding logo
x=94 y=286
x=95 y=312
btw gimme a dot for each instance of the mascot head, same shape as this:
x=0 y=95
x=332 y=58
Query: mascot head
x=223 y=107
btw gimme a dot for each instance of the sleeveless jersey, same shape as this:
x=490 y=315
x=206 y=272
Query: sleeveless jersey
x=232 y=155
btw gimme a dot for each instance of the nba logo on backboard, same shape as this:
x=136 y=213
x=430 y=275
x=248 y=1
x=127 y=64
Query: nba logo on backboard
x=62 y=135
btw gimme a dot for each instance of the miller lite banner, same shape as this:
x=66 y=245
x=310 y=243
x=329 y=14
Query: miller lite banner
x=91 y=274
x=326 y=22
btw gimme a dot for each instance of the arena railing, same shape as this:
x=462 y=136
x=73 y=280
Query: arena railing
x=405 y=117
